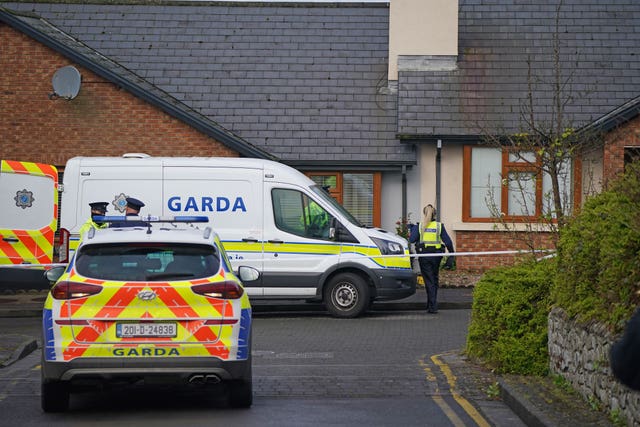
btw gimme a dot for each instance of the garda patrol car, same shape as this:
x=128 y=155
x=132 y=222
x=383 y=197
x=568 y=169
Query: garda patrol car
x=156 y=303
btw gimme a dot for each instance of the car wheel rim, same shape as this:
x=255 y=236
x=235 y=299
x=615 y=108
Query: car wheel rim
x=345 y=296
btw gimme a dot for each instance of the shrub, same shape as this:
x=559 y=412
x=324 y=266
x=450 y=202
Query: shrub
x=508 y=329
x=402 y=226
x=595 y=276
x=599 y=256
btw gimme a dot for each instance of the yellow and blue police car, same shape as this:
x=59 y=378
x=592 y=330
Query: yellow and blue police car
x=153 y=303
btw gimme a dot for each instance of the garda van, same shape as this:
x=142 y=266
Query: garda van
x=269 y=216
x=29 y=194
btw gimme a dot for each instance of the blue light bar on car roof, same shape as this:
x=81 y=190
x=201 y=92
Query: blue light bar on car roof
x=151 y=218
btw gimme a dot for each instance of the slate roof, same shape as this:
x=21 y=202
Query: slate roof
x=600 y=56
x=79 y=53
x=299 y=81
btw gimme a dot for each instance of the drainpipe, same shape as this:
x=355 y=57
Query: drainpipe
x=404 y=191
x=438 y=154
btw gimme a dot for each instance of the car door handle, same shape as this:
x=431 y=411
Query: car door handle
x=277 y=241
x=250 y=240
x=10 y=239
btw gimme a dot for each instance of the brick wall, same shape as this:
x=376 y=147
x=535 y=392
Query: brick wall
x=613 y=161
x=103 y=120
x=482 y=241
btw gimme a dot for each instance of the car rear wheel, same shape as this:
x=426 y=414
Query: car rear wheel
x=347 y=295
x=54 y=396
x=240 y=394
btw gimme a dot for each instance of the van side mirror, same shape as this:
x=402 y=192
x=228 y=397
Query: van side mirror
x=338 y=232
x=54 y=273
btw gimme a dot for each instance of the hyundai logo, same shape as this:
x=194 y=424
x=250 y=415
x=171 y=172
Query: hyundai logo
x=146 y=295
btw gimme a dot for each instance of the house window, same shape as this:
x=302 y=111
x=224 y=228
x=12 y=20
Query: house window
x=358 y=192
x=510 y=184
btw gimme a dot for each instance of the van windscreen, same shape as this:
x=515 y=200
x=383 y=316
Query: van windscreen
x=333 y=202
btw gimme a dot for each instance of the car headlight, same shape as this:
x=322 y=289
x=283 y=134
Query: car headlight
x=387 y=247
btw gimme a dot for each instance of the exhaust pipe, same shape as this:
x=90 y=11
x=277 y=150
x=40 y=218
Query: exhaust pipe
x=196 y=379
x=212 y=379
x=200 y=379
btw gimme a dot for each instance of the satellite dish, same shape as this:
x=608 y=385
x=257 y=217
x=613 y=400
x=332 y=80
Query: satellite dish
x=66 y=83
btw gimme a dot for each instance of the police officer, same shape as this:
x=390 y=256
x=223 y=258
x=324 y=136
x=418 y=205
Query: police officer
x=97 y=209
x=132 y=209
x=431 y=237
x=316 y=220
x=625 y=353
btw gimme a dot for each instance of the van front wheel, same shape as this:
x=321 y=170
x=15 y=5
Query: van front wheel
x=346 y=295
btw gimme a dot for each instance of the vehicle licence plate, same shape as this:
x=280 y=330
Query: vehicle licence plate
x=130 y=330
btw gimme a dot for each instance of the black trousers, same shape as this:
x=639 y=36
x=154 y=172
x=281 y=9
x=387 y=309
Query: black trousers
x=430 y=270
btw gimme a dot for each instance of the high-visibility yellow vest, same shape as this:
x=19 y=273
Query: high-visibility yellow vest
x=431 y=235
x=90 y=224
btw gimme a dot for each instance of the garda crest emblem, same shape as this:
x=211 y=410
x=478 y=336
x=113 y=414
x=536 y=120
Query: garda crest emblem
x=120 y=202
x=24 y=199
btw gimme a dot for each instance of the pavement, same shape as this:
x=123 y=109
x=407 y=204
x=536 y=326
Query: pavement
x=537 y=401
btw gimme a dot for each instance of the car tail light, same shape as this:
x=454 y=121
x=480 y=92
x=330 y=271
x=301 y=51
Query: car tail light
x=72 y=290
x=216 y=322
x=226 y=290
x=72 y=322
x=63 y=245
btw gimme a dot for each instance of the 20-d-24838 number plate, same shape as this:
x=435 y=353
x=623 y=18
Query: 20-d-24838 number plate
x=129 y=330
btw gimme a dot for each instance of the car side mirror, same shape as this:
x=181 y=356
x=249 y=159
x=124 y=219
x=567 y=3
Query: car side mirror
x=248 y=274
x=54 y=273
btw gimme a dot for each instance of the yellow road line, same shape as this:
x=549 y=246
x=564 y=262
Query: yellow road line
x=427 y=370
x=450 y=413
x=464 y=403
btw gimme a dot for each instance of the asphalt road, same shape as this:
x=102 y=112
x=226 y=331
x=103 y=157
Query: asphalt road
x=310 y=369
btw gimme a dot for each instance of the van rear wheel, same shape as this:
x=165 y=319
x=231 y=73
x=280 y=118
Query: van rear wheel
x=346 y=295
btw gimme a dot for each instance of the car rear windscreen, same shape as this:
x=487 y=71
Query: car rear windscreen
x=147 y=262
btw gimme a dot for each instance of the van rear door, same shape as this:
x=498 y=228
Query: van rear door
x=29 y=194
x=29 y=200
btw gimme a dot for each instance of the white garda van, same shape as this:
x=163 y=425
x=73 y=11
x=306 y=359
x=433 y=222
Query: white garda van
x=268 y=215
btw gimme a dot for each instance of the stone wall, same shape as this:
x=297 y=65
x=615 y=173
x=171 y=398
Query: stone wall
x=580 y=354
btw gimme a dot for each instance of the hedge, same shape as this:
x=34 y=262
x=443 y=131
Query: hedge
x=508 y=329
